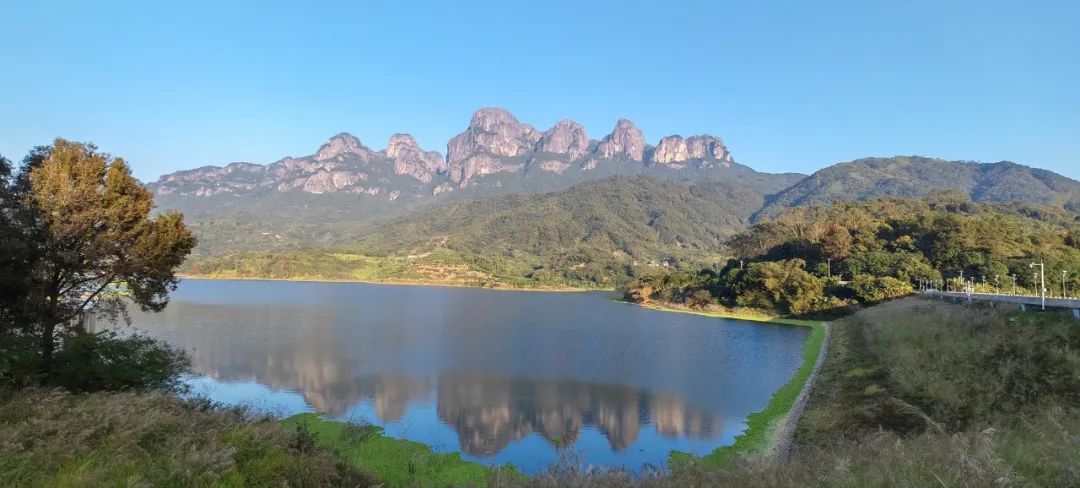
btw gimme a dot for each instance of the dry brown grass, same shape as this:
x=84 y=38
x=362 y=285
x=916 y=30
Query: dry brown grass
x=51 y=438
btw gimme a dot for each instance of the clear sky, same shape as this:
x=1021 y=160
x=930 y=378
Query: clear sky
x=791 y=86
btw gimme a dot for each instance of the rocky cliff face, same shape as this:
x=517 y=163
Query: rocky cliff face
x=625 y=140
x=674 y=151
x=410 y=160
x=565 y=137
x=492 y=138
x=342 y=165
x=494 y=143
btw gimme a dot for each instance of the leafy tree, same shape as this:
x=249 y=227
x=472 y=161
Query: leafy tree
x=99 y=244
x=781 y=285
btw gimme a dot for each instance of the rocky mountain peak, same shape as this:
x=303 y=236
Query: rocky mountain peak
x=493 y=134
x=409 y=159
x=565 y=137
x=343 y=144
x=401 y=144
x=492 y=119
x=626 y=139
x=674 y=150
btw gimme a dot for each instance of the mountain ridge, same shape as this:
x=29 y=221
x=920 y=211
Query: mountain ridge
x=494 y=143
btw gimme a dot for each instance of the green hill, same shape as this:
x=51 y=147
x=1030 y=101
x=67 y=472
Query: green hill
x=914 y=176
x=594 y=234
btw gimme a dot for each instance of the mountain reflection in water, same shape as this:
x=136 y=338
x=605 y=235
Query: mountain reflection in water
x=501 y=377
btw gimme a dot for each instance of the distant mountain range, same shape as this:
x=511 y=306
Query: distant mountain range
x=505 y=187
x=493 y=149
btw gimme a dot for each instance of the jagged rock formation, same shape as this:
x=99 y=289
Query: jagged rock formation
x=674 y=151
x=342 y=165
x=625 y=140
x=565 y=137
x=410 y=160
x=342 y=146
x=492 y=135
x=494 y=143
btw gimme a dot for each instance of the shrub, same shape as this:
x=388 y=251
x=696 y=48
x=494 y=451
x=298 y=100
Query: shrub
x=869 y=289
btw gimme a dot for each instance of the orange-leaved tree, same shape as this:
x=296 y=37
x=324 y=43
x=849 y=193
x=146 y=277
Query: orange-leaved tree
x=98 y=240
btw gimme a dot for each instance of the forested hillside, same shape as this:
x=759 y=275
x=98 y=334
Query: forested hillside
x=594 y=234
x=812 y=259
x=914 y=176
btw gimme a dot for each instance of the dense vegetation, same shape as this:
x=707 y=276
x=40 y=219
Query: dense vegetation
x=812 y=259
x=596 y=234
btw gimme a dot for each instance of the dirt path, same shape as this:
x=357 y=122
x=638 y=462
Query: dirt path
x=785 y=428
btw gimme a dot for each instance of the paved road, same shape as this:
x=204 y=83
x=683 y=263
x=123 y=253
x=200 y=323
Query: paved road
x=1072 y=303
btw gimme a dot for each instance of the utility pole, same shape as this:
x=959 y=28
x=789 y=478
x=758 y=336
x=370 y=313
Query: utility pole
x=1042 y=276
x=1014 y=283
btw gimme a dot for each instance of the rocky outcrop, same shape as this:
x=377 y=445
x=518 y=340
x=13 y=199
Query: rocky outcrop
x=565 y=137
x=671 y=149
x=342 y=146
x=625 y=140
x=493 y=135
x=674 y=151
x=410 y=160
x=494 y=142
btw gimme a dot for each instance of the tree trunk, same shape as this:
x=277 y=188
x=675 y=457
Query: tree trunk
x=48 y=339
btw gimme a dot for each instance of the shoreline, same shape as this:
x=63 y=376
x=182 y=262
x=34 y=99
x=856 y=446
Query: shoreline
x=769 y=431
x=394 y=283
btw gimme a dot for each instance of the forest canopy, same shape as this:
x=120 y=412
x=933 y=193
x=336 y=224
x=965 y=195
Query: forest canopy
x=817 y=258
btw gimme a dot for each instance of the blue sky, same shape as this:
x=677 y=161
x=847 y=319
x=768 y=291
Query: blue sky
x=791 y=86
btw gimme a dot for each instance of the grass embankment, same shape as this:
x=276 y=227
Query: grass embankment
x=922 y=392
x=397 y=462
x=55 y=439
x=761 y=426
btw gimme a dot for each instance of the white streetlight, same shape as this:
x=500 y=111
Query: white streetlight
x=1063 y=293
x=1042 y=277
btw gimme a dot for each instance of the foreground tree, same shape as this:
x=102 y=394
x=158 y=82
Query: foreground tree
x=97 y=241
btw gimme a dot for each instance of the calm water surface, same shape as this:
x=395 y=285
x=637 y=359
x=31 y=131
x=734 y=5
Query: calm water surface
x=499 y=376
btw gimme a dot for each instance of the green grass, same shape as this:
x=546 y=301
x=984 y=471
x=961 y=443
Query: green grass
x=396 y=462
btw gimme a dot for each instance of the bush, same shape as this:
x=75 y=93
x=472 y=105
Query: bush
x=108 y=361
x=869 y=289
x=20 y=361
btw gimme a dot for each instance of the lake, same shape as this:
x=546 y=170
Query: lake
x=499 y=376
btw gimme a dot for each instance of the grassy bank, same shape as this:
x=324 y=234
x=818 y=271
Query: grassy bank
x=54 y=439
x=397 y=462
x=925 y=392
